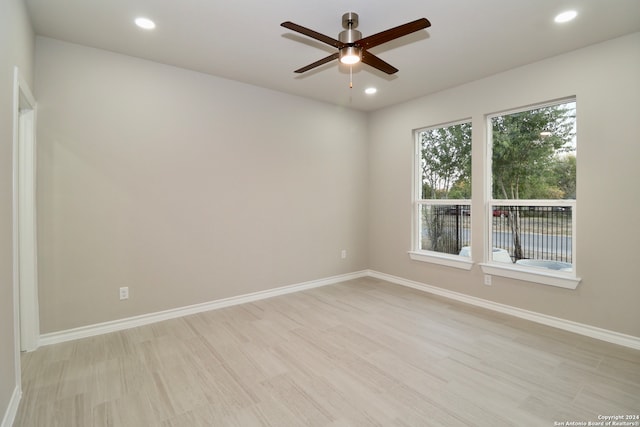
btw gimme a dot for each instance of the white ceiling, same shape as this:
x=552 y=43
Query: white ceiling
x=243 y=40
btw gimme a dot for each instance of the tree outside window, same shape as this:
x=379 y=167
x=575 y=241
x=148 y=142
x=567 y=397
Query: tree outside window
x=445 y=187
x=533 y=171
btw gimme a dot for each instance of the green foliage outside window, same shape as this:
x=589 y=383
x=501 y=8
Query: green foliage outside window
x=533 y=156
x=446 y=162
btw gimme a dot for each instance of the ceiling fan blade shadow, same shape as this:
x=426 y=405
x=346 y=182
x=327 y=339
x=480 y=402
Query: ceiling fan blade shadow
x=313 y=34
x=375 y=62
x=318 y=63
x=393 y=33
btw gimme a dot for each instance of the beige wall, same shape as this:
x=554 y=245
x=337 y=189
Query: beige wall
x=605 y=79
x=185 y=187
x=16 y=49
x=189 y=188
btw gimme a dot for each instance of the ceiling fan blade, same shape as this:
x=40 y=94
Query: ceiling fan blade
x=318 y=63
x=375 y=62
x=394 y=33
x=313 y=34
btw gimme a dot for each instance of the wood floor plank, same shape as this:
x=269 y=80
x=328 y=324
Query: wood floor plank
x=359 y=353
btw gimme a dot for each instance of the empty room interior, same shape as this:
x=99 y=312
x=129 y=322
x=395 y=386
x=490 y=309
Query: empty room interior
x=196 y=231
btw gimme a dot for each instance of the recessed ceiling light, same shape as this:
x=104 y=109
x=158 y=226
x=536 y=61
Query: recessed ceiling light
x=145 y=23
x=565 y=16
x=370 y=90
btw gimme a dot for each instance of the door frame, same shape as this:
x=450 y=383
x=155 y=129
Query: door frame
x=25 y=267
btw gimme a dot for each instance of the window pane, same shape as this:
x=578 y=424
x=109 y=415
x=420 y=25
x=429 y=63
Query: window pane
x=535 y=236
x=446 y=162
x=445 y=228
x=533 y=157
x=534 y=153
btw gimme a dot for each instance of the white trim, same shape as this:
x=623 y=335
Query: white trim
x=131 y=322
x=454 y=261
x=145 y=319
x=567 y=325
x=12 y=408
x=16 y=264
x=26 y=311
x=22 y=92
x=568 y=280
x=28 y=259
x=550 y=278
x=534 y=106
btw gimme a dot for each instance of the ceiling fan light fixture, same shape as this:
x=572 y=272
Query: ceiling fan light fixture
x=350 y=55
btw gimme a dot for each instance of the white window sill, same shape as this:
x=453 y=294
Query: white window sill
x=535 y=275
x=454 y=261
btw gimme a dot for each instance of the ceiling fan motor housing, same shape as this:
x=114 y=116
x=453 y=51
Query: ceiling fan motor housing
x=349 y=36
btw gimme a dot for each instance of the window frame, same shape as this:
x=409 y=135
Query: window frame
x=417 y=253
x=569 y=279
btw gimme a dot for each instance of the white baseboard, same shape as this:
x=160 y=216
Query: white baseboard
x=567 y=325
x=12 y=409
x=145 y=319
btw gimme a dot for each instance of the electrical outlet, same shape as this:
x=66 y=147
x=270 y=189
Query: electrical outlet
x=124 y=292
x=343 y=254
x=487 y=279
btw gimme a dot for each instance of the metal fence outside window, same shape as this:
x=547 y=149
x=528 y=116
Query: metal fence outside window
x=445 y=228
x=543 y=232
x=525 y=232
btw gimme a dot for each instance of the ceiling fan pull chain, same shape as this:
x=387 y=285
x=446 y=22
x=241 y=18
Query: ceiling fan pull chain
x=350 y=76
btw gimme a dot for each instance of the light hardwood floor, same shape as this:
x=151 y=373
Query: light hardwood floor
x=360 y=353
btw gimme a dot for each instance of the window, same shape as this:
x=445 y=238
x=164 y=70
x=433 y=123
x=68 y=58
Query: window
x=532 y=205
x=442 y=193
x=530 y=199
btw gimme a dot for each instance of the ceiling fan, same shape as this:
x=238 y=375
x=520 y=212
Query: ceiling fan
x=352 y=48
